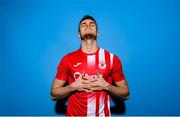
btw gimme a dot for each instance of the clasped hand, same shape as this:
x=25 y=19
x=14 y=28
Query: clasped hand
x=88 y=84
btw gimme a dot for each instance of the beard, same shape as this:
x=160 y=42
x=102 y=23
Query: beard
x=89 y=36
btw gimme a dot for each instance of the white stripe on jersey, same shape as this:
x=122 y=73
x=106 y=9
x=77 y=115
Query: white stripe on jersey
x=101 y=106
x=91 y=60
x=101 y=56
x=111 y=59
x=91 y=107
x=91 y=101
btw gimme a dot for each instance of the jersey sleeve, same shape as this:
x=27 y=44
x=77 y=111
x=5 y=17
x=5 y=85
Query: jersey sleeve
x=117 y=71
x=63 y=69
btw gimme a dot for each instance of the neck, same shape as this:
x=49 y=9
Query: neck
x=89 y=46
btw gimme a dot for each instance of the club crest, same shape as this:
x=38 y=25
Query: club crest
x=102 y=65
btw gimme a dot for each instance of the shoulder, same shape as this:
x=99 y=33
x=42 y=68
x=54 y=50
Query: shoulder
x=71 y=54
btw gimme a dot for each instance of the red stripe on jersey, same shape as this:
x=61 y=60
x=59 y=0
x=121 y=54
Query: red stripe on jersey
x=97 y=104
x=106 y=107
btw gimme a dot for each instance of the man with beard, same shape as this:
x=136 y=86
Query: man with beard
x=89 y=72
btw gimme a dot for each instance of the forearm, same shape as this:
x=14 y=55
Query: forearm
x=118 y=91
x=61 y=92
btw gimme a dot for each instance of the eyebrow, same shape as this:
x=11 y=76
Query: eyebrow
x=90 y=22
x=83 y=23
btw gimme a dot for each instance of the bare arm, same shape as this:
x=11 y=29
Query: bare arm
x=59 y=91
x=121 y=89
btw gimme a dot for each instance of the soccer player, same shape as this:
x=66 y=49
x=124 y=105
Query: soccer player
x=90 y=73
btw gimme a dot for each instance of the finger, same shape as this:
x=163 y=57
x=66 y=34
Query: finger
x=82 y=75
x=87 y=86
x=85 y=81
x=93 y=79
x=94 y=84
x=86 y=77
x=97 y=88
x=89 y=91
x=86 y=90
x=90 y=79
x=99 y=75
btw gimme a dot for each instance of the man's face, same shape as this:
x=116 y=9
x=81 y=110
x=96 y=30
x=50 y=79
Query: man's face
x=88 y=29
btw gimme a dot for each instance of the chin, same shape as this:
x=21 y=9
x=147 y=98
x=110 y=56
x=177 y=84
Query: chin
x=89 y=36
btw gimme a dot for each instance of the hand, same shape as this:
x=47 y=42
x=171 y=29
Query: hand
x=81 y=84
x=99 y=83
x=90 y=80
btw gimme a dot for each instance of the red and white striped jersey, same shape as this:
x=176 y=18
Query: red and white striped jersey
x=74 y=64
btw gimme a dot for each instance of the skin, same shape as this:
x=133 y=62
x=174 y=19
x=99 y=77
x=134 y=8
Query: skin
x=88 y=34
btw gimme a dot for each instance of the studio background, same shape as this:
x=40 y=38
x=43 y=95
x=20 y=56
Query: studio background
x=35 y=34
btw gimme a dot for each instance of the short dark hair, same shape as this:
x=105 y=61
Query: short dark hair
x=87 y=17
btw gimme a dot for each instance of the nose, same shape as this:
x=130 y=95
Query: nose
x=88 y=26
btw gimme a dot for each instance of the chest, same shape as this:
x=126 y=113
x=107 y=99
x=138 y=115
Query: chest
x=90 y=65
